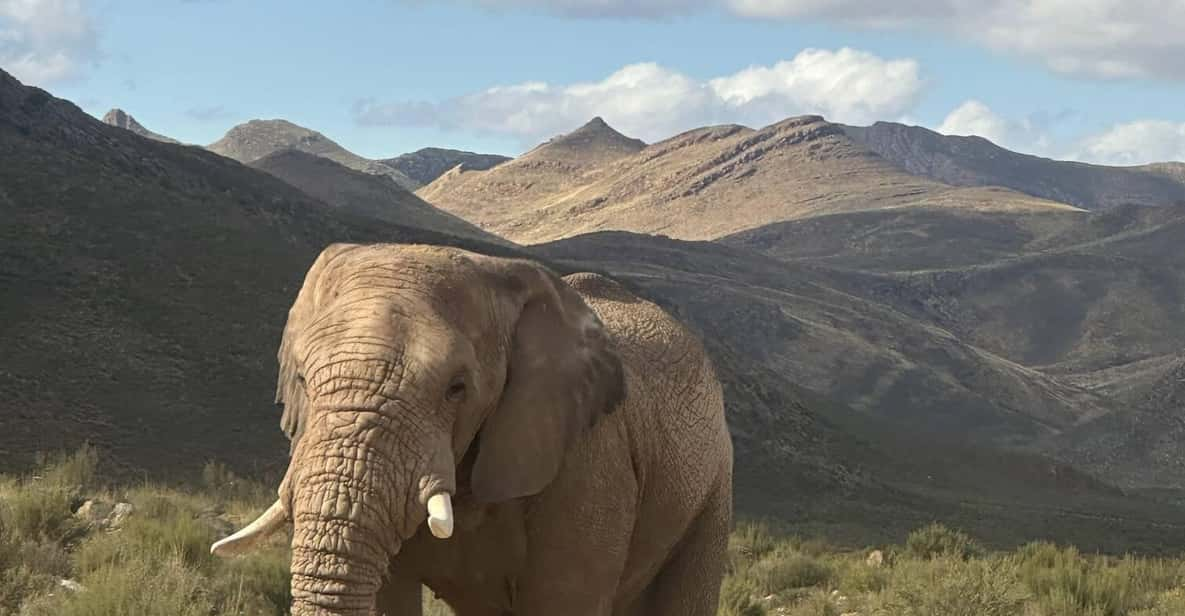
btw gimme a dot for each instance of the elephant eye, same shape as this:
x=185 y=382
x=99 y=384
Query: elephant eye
x=456 y=391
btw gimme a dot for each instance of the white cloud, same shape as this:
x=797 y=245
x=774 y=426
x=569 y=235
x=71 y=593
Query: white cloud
x=1131 y=143
x=1135 y=143
x=653 y=102
x=846 y=85
x=1099 y=38
x=975 y=118
x=46 y=41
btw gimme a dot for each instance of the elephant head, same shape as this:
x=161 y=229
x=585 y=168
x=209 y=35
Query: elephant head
x=410 y=375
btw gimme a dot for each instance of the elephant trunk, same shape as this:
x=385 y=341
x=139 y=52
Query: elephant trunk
x=340 y=508
x=352 y=507
x=337 y=568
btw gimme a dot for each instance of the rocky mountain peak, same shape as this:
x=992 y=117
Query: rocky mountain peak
x=121 y=119
x=594 y=141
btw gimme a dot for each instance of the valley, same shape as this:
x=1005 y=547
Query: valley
x=903 y=330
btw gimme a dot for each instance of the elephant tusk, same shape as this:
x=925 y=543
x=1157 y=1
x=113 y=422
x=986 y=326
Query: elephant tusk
x=267 y=523
x=440 y=515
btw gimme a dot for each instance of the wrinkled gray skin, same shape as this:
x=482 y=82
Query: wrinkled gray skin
x=579 y=430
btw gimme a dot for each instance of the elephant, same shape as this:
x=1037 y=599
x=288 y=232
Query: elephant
x=515 y=441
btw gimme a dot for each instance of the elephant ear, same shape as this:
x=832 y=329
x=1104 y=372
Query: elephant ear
x=290 y=391
x=563 y=373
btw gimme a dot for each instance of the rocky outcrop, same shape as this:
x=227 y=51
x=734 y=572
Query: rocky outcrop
x=425 y=165
x=99 y=514
x=122 y=119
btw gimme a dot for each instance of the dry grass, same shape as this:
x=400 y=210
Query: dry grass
x=158 y=564
x=943 y=572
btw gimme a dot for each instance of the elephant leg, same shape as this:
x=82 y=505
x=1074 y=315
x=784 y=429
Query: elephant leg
x=400 y=595
x=689 y=583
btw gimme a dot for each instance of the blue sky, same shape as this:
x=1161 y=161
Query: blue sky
x=1093 y=79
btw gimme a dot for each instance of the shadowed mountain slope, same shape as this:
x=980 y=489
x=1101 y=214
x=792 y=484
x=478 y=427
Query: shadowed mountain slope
x=975 y=161
x=1103 y=292
x=364 y=193
x=909 y=238
x=122 y=119
x=703 y=184
x=256 y=139
x=1141 y=446
x=800 y=324
x=848 y=416
x=144 y=286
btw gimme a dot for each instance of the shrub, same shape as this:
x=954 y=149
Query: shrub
x=224 y=484
x=169 y=588
x=815 y=604
x=1171 y=603
x=1067 y=582
x=937 y=540
x=75 y=471
x=256 y=584
x=151 y=540
x=951 y=586
x=787 y=571
x=855 y=576
x=738 y=598
x=750 y=542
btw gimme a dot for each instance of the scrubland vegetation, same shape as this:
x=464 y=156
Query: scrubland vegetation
x=941 y=572
x=63 y=557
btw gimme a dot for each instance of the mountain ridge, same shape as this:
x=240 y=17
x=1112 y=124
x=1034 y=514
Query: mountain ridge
x=364 y=193
x=701 y=184
x=975 y=161
x=427 y=164
x=122 y=119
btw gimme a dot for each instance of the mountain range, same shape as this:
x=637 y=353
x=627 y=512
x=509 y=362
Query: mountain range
x=257 y=139
x=895 y=346
x=702 y=184
x=975 y=161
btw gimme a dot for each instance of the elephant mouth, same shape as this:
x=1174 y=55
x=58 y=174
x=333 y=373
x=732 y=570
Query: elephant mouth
x=441 y=522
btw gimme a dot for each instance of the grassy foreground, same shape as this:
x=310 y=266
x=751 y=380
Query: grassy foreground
x=156 y=563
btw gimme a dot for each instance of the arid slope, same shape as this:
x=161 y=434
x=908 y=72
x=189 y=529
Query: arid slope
x=703 y=184
x=363 y=193
x=975 y=161
x=144 y=286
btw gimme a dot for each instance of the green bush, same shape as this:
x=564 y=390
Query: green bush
x=39 y=511
x=158 y=563
x=815 y=604
x=750 y=542
x=855 y=576
x=1065 y=581
x=75 y=471
x=1170 y=603
x=168 y=588
x=149 y=539
x=951 y=586
x=738 y=598
x=789 y=571
x=937 y=540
